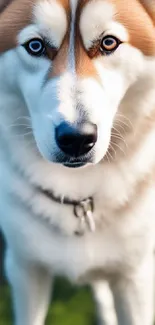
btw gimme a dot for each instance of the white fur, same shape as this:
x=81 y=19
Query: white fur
x=52 y=15
x=30 y=32
x=95 y=19
x=41 y=233
x=105 y=303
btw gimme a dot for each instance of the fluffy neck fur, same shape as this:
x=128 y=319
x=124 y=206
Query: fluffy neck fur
x=129 y=160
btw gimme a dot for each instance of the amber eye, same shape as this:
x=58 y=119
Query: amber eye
x=109 y=44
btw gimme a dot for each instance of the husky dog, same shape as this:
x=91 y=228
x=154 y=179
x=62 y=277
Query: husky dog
x=77 y=153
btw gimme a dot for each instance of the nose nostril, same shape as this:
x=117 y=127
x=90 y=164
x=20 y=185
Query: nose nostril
x=65 y=140
x=76 y=142
x=89 y=140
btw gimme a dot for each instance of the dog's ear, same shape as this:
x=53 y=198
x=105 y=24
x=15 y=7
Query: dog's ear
x=149 y=5
x=4 y=4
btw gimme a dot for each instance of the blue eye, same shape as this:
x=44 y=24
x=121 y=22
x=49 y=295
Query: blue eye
x=35 y=47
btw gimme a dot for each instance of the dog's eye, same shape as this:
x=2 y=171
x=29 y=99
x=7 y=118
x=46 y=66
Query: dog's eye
x=109 y=44
x=35 y=47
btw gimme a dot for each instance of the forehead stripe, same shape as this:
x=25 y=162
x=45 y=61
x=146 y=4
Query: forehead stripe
x=138 y=17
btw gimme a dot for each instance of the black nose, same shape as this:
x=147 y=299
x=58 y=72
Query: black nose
x=76 y=141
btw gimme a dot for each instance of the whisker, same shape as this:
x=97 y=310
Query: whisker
x=18 y=125
x=120 y=126
x=21 y=135
x=111 y=147
x=115 y=144
x=128 y=121
x=109 y=154
x=23 y=117
x=127 y=125
x=107 y=157
x=115 y=136
x=115 y=129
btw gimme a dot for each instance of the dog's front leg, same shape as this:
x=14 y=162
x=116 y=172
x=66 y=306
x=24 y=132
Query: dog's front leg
x=134 y=296
x=31 y=288
x=105 y=303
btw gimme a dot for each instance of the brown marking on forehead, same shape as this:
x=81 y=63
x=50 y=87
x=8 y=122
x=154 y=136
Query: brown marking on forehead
x=17 y=15
x=14 y=18
x=150 y=7
x=64 y=3
x=4 y=4
x=84 y=64
x=138 y=16
x=60 y=61
x=59 y=65
x=133 y=15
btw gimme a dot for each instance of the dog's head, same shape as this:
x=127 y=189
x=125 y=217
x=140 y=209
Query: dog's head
x=72 y=62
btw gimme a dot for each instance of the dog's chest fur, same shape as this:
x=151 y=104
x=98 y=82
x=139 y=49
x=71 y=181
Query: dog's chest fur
x=123 y=191
x=123 y=194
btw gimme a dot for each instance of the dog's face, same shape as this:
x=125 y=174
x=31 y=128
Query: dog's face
x=72 y=62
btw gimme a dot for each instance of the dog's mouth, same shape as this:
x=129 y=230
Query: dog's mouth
x=76 y=164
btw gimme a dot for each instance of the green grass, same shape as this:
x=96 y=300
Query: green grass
x=70 y=306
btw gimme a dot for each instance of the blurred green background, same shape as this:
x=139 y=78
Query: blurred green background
x=70 y=305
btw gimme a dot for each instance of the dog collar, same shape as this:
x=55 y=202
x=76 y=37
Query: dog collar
x=82 y=209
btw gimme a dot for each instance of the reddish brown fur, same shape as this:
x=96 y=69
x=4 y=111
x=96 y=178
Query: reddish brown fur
x=14 y=18
x=60 y=61
x=16 y=14
x=137 y=16
x=84 y=64
x=138 y=23
x=150 y=7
